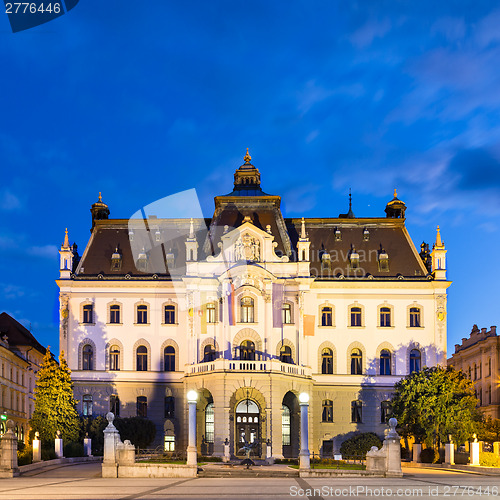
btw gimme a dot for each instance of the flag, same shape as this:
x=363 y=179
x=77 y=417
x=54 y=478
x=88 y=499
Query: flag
x=230 y=304
x=278 y=292
x=203 y=313
x=308 y=325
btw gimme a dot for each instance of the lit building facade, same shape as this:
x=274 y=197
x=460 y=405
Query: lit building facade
x=478 y=357
x=250 y=309
x=21 y=356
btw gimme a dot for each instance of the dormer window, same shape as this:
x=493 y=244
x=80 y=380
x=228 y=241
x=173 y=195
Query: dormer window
x=142 y=262
x=338 y=235
x=116 y=261
x=157 y=235
x=366 y=234
x=383 y=261
x=354 y=259
x=170 y=260
x=326 y=262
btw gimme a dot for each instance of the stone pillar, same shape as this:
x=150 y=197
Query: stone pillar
x=449 y=454
x=58 y=445
x=417 y=450
x=192 y=454
x=37 y=448
x=393 y=446
x=227 y=454
x=474 y=453
x=111 y=440
x=304 y=455
x=269 y=453
x=496 y=448
x=8 y=452
x=87 y=446
x=125 y=453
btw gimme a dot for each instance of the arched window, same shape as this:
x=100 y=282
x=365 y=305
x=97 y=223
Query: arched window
x=247 y=350
x=488 y=395
x=209 y=423
x=88 y=314
x=385 y=362
x=208 y=353
x=286 y=313
x=87 y=405
x=385 y=316
x=114 y=358
x=286 y=425
x=88 y=357
x=327 y=415
x=327 y=361
x=356 y=412
x=114 y=405
x=286 y=354
x=415 y=317
x=210 y=313
x=142 y=406
x=114 y=313
x=142 y=314
x=326 y=316
x=170 y=314
x=489 y=366
x=415 y=360
x=356 y=362
x=470 y=373
x=475 y=371
x=169 y=359
x=247 y=310
x=385 y=411
x=355 y=316
x=142 y=358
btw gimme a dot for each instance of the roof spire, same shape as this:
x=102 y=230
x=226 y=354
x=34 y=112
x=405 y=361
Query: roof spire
x=247 y=157
x=395 y=193
x=439 y=242
x=100 y=197
x=303 y=230
x=66 y=239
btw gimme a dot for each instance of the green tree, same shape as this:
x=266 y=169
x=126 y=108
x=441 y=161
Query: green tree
x=490 y=430
x=55 y=406
x=434 y=403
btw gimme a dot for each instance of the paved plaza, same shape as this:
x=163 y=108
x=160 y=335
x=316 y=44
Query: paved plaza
x=84 y=482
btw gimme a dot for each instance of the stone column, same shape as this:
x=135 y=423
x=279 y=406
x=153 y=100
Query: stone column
x=37 y=448
x=111 y=440
x=304 y=455
x=192 y=454
x=417 y=450
x=87 y=446
x=8 y=452
x=496 y=448
x=449 y=453
x=58 y=445
x=393 y=446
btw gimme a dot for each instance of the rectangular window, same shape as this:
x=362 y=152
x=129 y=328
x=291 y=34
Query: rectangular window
x=356 y=412
x=385 y=316
x=170 y=315
x=87 y=405
x=209 y=424
x=114 y=405
x=142 y=315
x=286 y=314
x=326 y=316
x=142 y=406
x=210 y=313
x=327 y=448
x=327 y=411
x=385 y=411
x=88 y=313
x=414 y=317
x=169 y=443
x=169 y=407
x=114 y=314
x=355 y=316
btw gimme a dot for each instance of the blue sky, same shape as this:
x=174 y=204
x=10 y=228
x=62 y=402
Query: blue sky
x=142 y=100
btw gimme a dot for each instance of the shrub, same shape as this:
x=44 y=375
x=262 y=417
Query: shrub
x=94 y=426
x=357 y=445
x=461 y=458
x=48 y=453
x=429 y=456
x=24 y=455
x=488 y=459
x=140 y=431
x=73 y=450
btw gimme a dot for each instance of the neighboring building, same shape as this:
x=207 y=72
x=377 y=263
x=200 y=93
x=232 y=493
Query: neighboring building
x=21 y=356
x=156 y=307
x=478 y=357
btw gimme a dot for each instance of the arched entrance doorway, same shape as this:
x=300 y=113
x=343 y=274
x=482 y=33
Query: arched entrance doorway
x=290 y=422
x=247 y=420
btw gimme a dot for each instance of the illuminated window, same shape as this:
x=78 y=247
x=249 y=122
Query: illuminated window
x=208 y=353
x=114 y=358
x=326 y=316
x=210 y=313
x=327 y=361
x=385 y=316
x=142 y=358
x=87 y=405
x=286 y=425
x=247 y=310
x=247 y=350
x=327 y=415
x=286 y=314
x=356 y=362
x=209 y=423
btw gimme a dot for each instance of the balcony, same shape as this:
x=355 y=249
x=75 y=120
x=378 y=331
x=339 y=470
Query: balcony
x=231 y=365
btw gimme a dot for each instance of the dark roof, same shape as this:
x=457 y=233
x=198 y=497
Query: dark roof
x=17 y=334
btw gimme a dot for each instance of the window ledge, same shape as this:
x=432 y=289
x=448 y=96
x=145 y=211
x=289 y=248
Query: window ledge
x=87 y=324
x=244 y=323
x=416 y=327
x=326 y=326
x=170 y=324
x=142 y=324
x=111 y=324
x=356 y=327
x=386 y=327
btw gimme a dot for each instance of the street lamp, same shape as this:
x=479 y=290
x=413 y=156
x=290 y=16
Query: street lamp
x=304 y=397
x=192 y=396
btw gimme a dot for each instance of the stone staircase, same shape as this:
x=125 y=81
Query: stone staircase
x=236 y=470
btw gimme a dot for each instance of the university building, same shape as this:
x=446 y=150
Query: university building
x=478 y=357
x=21 y=356
x=250 y=309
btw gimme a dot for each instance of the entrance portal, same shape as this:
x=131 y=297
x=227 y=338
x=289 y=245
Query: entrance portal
x=247 y=426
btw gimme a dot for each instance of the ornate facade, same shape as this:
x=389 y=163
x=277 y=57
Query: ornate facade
x=249 y=309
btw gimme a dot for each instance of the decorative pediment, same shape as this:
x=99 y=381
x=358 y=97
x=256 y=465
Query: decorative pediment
x=247 y=247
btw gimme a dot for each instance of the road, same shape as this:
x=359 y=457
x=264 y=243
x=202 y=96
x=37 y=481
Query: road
x=83 y=481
